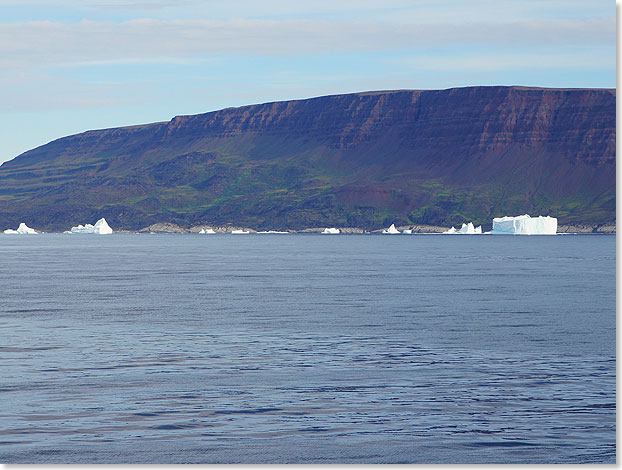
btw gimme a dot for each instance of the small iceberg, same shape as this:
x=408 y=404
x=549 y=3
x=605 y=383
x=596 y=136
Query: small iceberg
x=466 y=229
x=239 y=232
x=470 y=229
x=330 y=231
x=391 y=230
x=208 y=231
x=407 y=231
x=23 y=229
x=274 y=232
x=524 y=225
x=101 y=227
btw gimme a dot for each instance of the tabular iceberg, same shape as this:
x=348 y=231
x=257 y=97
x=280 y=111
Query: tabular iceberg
x=524 y=225
x=330 y=231
x=101 y=227
x=391 y=230
x=23 y=229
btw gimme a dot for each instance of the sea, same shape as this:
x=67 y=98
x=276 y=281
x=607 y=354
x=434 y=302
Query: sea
x=307 y=348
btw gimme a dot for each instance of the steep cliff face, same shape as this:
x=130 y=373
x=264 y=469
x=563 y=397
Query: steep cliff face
x=360 y=159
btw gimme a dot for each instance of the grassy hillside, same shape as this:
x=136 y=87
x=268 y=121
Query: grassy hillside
x=366 y=160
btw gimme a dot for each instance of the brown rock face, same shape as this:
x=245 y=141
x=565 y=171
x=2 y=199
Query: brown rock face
x=364 y=159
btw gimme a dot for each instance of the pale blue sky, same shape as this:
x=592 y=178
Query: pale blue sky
x=68 y=66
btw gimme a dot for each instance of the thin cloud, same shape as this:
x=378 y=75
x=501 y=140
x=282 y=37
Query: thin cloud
x=513 y=61
x=53 y=43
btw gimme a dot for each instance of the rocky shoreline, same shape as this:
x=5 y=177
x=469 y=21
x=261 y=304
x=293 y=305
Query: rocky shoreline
x=166 y=227
x=604 y=228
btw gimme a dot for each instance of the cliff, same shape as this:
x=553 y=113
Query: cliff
x=363 y=159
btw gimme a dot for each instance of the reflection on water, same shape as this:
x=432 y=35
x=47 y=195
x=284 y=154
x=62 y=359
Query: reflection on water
x=424 y=349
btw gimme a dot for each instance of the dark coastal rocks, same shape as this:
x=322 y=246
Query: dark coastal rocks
x=582 y=228
x=163 y=228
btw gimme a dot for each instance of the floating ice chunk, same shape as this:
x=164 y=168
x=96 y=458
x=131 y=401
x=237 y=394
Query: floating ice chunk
x=524 y=225
x=274 y=231
x=101 y=227
x=208 y=231
x=239 y=232
x=467 y=228
x=407 y=231
x=391 y=230
x=330 y=231
x=23 y=229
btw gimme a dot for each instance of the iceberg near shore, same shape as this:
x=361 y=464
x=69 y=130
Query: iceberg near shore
x=101 y=227
x=330 y=231
x=468 y=229
x=23 y=229
x=391 y=230
x=524 y=225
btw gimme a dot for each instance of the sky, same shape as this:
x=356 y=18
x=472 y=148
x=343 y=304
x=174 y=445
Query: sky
x=68 y=66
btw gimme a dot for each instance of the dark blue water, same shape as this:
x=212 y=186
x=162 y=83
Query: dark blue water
x=307 y=349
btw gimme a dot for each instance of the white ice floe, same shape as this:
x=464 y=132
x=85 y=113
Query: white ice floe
x=23 y=229
x=101 y=227
x=524 y=225
x=239 y=232
x=208 y=231
x=407 y=231
x=391 y=230
x=330 y=231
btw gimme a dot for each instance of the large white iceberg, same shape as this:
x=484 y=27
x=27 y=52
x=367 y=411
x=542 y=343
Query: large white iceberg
x=524 y=225
x=391 y=230
x=101 y=227
x=23 y=229
x=330 y=231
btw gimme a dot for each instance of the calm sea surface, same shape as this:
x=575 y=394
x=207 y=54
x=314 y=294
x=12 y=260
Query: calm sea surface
x=307 y=349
